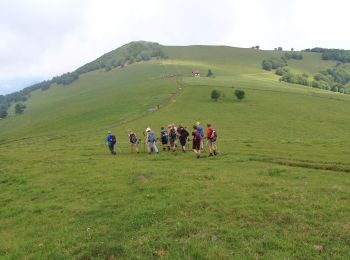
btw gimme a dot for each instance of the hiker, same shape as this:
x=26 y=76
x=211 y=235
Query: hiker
x=183 y=134
x=197 y=140
x=111 y=141
x=151 y=141
x=172 y=136
x=211 y=136
x=134 y=141
x=164 y=136
x=200 y=130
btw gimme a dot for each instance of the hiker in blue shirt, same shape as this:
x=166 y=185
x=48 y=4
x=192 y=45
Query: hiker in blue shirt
x=151 y=141
x=111 y=141
x=200 y=130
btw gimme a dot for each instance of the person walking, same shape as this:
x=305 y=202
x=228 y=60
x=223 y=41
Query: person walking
x=151 y=141
x=197 y=140
x=211 y=136
x=164 y=137
x=172 y=137
x=200 y=130
x=134 y=142
x=111 y=141
x=183 y=134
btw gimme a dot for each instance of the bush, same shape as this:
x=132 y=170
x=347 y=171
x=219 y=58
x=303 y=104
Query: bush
x=19 y=108
x=210 y=73
x=273 y=63
x=239 y=94
x=267 y=65
x=215 y=94
x=3 y=111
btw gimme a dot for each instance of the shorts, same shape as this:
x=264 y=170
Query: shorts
x=172 y=141
x=133 y=144
x=182 y=141
x=210 y=142
x=164 y=140
x=196 y=145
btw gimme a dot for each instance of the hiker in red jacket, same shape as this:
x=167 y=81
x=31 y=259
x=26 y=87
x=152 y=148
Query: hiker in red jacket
x=211 y=136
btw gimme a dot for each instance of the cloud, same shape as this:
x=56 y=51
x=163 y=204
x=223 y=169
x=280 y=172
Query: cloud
x=44 y=38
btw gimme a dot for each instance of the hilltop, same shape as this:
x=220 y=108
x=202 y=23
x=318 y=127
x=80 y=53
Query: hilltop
x=278 y=189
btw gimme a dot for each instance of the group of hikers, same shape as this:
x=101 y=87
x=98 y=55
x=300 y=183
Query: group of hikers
x=169 y=137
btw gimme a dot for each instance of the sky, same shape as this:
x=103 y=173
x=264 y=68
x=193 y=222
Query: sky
x=40 y=39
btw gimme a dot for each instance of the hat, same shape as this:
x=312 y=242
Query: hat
x=198 y=123
x=109 y=132
x=148 y=129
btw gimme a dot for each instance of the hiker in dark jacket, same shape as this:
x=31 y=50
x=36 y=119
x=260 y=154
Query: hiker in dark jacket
x=197 y=140
x=134 y=142
x=111 y=141
x=183 y=134
x=172 y=136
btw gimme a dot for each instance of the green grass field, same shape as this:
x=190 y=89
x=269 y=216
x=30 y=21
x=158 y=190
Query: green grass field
x=279 y=187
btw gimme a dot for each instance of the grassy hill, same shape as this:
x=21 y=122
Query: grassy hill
x=279 y=187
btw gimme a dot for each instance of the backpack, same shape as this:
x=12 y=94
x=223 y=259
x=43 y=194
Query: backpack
x=151 y=137
x=197 y=136
x=164 y=135
x=133 y=138
x=172 y=133
x=214 y=135
x=114 y=140
x=183 y=133
x=200 y=130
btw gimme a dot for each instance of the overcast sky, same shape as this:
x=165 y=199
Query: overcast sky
x=40 y=39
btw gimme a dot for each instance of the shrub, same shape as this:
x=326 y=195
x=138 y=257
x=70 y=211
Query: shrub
x=19 y=108
x=210 y=73
x=215 y=94
x=239 y=94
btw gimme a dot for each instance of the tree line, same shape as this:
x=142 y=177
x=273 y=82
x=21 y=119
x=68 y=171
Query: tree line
x=335 y=79
x=332 y=54
x=275 y=63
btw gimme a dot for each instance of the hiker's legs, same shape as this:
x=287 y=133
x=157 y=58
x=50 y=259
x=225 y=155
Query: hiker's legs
x=173 y=145
x=214 y=148
x=149 y=148
x=111 y=148
x=155 y=147
x=183 y=144
x=210 y=147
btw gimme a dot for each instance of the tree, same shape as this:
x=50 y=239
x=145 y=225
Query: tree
x=215 y=94
x=280 y=48
x=210 y=73
x=267 y=65
x=292 y=49
x=3 y=111
x=257 y=47
x=19 y=108
x=239 y=94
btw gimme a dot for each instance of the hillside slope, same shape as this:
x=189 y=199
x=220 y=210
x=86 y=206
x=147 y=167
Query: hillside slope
x=279 y=187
